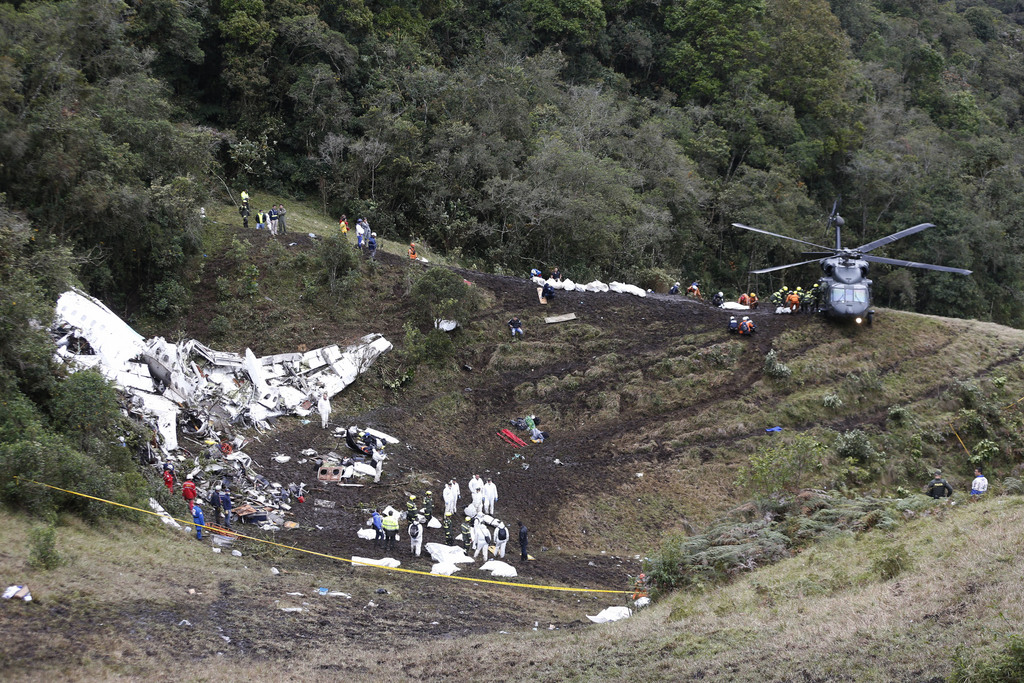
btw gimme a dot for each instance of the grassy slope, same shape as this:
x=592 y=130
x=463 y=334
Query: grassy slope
x=827 y=614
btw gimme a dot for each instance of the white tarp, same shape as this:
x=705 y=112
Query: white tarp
x=627 y=289
x=596 y=286
x=611 y=614
x=440 y=552
x=733 y=306
x=499 y=568
x=444 y=568
x=368 y=534
x=370 y=562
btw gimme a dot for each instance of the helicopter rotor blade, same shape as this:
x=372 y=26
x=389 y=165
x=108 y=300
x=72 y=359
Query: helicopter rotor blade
x=789 y=265
x=785 y=237
x=893 y=237
x=819 y=254
x=914 y=264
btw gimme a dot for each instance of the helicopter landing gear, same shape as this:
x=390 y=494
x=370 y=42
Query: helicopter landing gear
x=870 y=318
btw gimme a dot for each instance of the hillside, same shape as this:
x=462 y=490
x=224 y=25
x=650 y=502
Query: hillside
x=653 y=387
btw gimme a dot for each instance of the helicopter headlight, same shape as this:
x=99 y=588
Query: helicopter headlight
x=859 y=320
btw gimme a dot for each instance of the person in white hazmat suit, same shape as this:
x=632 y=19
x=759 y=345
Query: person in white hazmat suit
x=490 y=496
x=323 y=404
x=476 y=489
x=481 y=538
x=500 y=540
x=378 y=461
x=416 y=535
x=450 y=495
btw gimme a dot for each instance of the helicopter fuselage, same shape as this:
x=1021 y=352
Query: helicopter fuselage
x=847 y=287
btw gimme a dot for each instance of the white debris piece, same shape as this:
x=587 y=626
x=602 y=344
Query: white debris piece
x=236 y=553
x=445 y=325
x=222 y=387
x=733 y=306
x=18 y=592
x=291 y=609
x=642 y=602
x=367 y=534
x=433 y=523
x=611 y=614
x=444 y=568
x=596 y=286
x=499 y=568
x=164 y=517
x=369 y=562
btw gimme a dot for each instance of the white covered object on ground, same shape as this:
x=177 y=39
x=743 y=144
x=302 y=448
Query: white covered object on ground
x=596 y=286
x=370 y=562
x=611 y=614
x=782 y=309
x=447 y=553
x=368 y=534
x=433 y=523
x=499 y=568
x=622 y=288
x=733 y=306
x=444 y=568
x=642 y=602
x=568 y=285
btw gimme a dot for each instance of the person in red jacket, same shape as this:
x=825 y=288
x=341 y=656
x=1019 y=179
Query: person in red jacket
x=169 y=477
x=188 y=491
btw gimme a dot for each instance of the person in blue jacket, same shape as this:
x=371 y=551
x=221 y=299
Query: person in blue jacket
x=371 y=245
x=225 y=502
x=199 y=521
x=378 y=525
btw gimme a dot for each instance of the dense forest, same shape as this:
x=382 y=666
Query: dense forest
x=617 y=139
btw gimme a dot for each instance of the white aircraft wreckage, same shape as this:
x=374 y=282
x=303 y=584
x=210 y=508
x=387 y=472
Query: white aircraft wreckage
x=214 y=390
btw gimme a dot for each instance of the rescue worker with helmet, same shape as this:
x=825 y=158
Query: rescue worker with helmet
x=746 y=326
x=718 y=299
x=752 y=300
x=793 y=302
x=412 y=251
x=448 y=525
x=410 y=508
x=467 y=534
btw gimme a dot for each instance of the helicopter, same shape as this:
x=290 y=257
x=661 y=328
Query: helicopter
x=845 y=286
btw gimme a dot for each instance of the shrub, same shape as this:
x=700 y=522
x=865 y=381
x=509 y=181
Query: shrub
x=442 y=295
x=338 y=265
x=856 y=446
x=899 y=415
x=774 y=368
x=220 y=326
x=1013 y=486
x=780 y=467
x=892 y=561
x=985 y=450
x=43 y=548
x=832 y=401
x=1004 y=666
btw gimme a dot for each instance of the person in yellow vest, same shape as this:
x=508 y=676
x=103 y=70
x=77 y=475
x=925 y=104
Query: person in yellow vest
x=343 y=224
x=412 y=250
x=390 y=524
x=245 y=197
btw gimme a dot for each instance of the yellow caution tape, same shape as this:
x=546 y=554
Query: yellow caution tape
x=959 y=439
x=330 y=557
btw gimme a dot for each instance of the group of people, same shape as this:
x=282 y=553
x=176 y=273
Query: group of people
x=477 y=517
x=745 y=326
x=219 y=500
x=940 y=488
x=800 y=300
x=272 y=220
x=365 y=238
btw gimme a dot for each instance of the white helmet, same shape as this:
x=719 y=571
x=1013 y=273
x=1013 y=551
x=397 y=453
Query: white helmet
x=720 y=294
x=746 y=318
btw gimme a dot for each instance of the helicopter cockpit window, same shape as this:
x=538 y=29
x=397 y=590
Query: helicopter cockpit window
x=849 y=295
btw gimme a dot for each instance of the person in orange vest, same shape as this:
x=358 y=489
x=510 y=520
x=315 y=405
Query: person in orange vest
x=747 y=326
x=640 y=587
x=793 y=301
x=412 y=250
x=188 y=491
x=694 y=290
x=752 y=301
